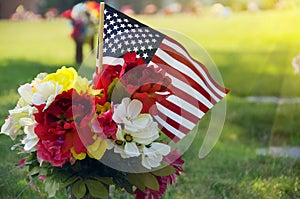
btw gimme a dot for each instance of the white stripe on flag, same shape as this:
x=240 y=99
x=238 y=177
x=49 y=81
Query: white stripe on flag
x=177 y=118
x=190 y=91
x=112 y=61
x=183 y=69
x=185 y=54
x=186 y=106
x=170 y=128
x=179 y=84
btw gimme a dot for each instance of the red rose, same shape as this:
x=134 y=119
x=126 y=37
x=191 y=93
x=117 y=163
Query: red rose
x=63 y=125
x=107 y=76
x=147 y=84
x=130 y=62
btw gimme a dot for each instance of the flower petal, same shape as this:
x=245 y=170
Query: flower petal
x=45 y=88
x=119 y=113
x=142 y=121
x=110 y=144
x=38 y=99
x=150 y=163
x=146 y=135
x=30 y=144
x=131 y=149
x=121 y=151
x=25 y=91
x=119 y=134
x=26 y=121
x=134 y=108
x=161 y=148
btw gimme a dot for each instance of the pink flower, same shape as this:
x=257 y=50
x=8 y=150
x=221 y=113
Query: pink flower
x=53 y=152
x=42 y=178
x=105 y=125
x=22 y=162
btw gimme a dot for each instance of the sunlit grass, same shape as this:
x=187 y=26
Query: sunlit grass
x=253 y=53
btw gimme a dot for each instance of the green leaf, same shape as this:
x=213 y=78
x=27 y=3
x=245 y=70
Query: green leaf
x=137 y=181
x=96 y=188
x=78 y=189
x=43 y=171
x=121 y=181
x=105 y=180
x=151 y=181
x=34 y=171
x=143 y=181
x=31 y=157
x=116 y=90
x=165 y=171
x=69 y=181
x=111 y=87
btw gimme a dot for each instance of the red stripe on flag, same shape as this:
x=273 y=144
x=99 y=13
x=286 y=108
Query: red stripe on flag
x=180 y=58
x=190 y=99
x=184 y=78
x=224 y=90
x=168 y=133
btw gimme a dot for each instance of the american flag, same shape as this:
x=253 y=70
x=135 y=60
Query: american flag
x=194 y=92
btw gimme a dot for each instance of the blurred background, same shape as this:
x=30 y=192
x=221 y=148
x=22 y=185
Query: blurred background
x=254 y=43
x=46 y=9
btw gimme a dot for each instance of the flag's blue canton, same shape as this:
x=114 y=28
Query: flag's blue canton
x=123 y=34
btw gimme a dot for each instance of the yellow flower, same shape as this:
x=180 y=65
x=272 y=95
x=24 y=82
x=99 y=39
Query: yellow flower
x=80 y=156
x=81 y=84
x=97 y=149
x=64 y=77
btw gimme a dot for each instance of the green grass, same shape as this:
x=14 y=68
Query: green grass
x=253 y=53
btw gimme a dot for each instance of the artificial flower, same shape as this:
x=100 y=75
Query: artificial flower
x=105 y=126
x=64 y=76
x=153 y=154
x=130 y=146
x=52 y=152
x=107 y=76
x=128 y=113
x=12 y=126
x=152 y=85
x=174 y=159
x=39 y=92
x=134 y=129
x=69 y=123
x=31 y=139
x=64 y=124
x=98 y=148
x=26 y=93
x=130 y=62
x=82 y=85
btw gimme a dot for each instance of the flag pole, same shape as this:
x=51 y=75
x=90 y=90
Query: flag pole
x=100 y=37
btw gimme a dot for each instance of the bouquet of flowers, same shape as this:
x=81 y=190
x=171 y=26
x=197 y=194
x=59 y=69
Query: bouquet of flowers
x=86 y=136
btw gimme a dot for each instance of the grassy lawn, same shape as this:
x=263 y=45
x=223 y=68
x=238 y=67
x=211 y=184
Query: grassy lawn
x=253 y=53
